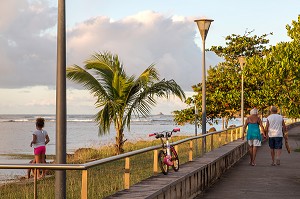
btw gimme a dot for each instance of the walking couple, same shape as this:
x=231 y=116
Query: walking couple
x=274 y=130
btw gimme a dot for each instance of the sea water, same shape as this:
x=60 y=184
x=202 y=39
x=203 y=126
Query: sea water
x=81 y=132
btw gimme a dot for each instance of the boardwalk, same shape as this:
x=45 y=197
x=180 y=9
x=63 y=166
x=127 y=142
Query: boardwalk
x=262 y=181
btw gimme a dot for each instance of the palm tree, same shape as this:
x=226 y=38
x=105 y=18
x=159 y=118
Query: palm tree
x=120 y=96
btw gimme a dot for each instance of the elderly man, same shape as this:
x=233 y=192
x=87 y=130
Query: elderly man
x=275 y=128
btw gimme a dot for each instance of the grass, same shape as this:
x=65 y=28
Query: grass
x=105 y=179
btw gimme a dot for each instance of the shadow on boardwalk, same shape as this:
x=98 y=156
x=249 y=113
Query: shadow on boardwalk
x=262 y=181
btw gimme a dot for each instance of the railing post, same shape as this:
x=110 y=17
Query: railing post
x=202 y=146
x=205 y=144
x=84 y=184
x=155 y=162
x=231 y=135
x=127 y=173
x=226 y=139
x=176 y=148
x=35 y=184
x=236 y=134
x=220 y=139
x=212 y=142
x=191 y=151
x=241 y=132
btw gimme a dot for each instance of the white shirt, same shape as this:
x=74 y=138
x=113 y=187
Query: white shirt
x=275 y=125
x=40 y=138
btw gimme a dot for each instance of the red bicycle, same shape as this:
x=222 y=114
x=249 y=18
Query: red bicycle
x=167 y=156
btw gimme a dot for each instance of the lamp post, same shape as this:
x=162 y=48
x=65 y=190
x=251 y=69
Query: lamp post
x=196 y=119
x=60 y=175
x=242 y=61
x=203 y=26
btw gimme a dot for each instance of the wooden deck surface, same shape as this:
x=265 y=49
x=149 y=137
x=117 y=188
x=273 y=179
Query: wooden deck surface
x=262 y=181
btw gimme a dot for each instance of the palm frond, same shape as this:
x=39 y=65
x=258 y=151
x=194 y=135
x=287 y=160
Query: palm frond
x=81 y=76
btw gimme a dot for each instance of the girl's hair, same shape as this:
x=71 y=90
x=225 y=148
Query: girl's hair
x=40 y=122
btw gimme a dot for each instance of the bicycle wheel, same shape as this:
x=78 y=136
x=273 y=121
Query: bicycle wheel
x=161 y=156
x=175 y=159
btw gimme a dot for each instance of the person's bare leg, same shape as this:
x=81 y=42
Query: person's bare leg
x=254 y=149
x=28 y=173
x=43 y=161
x=251 y=154
x=29 y=170
x=38 y=161
x=273 y=156
x=278 y=153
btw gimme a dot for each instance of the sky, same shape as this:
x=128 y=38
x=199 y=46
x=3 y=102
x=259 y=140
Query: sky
x=140 y=32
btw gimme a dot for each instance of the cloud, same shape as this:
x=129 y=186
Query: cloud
x=28 y=45
x=140 y=40
x=27 y=52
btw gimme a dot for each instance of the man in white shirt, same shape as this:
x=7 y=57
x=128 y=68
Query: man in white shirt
x=275 y=128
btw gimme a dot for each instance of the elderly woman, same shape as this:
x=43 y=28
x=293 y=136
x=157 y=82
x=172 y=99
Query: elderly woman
x=252 y=124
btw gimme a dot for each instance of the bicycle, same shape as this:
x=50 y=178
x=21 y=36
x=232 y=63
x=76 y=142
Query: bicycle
x=167 y=156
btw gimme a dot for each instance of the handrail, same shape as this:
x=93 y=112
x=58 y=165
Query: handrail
x=44 y=166
x=121 y=156
x=88 y=165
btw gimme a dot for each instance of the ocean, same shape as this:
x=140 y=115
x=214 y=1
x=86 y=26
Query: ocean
x=82 y=132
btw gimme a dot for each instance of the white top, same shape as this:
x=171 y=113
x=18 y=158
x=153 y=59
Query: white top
x=275 y=125
x=40 y=138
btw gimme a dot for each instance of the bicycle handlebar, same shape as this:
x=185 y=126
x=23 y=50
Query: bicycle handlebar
x=174 y=130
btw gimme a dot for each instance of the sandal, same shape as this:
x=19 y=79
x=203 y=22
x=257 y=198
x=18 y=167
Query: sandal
x=278 y=162
x=273 y=164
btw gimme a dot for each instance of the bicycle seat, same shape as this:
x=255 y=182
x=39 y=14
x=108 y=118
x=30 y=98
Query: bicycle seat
x=159 y=136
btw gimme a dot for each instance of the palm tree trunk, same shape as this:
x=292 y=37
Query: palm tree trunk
x=119 y=142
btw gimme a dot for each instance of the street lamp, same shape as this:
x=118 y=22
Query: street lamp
x=61 y=112
x=203 y=25
x=196 y=117
x=242 y=60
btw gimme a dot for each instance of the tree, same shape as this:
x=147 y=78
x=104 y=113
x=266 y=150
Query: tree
x=271 y=77
x=283 y=75
x=254 y=48
x=223 y=85
x=279 y=75
x=118 y=95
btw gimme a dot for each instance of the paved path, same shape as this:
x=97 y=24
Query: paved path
x=262 y=181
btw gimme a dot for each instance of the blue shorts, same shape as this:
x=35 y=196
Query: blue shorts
x=275 y=143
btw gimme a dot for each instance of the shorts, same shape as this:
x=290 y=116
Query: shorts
x=254 y=142
x=40 y=150
x=275 y=142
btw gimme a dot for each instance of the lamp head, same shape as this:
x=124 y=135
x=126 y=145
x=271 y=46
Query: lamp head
x=242 y=60
x=203 y=26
